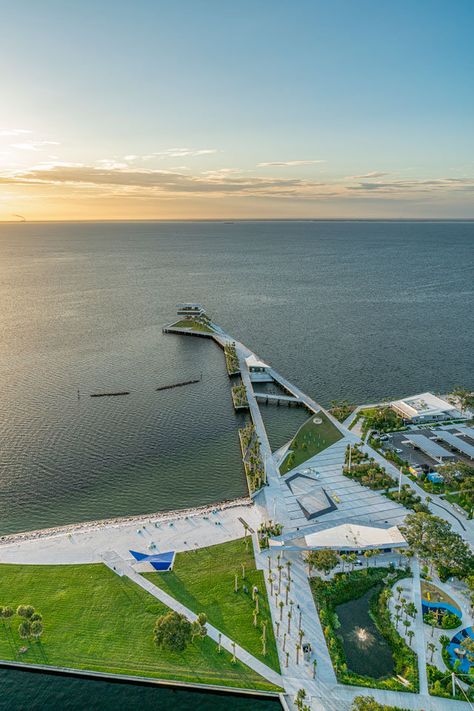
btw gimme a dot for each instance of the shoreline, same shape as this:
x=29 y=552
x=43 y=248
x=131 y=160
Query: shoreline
x=72 y=528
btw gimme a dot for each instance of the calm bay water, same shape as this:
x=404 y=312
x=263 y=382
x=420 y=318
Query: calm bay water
x=356 y=310
x=28 y=691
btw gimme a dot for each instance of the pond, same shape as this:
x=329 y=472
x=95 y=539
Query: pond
x=367 y=652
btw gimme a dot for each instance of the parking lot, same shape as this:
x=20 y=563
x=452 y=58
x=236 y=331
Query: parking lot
x=415 y=457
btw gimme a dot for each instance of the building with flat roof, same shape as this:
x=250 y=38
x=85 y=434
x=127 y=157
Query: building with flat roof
x=356 y=538
x=425 y=407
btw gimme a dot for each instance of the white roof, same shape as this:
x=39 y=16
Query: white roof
x=432 y=449
x=254 y=362
x=356 y=536
x=423 y=405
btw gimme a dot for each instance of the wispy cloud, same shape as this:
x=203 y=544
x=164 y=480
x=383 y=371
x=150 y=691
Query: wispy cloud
x=288 y=163
x=14 y=131
x=34 y=145
x=372 y=174
x=184 y=152
x=119 y=181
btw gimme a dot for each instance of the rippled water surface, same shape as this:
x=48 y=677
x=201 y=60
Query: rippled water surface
x=28 y=691
x=346 y=310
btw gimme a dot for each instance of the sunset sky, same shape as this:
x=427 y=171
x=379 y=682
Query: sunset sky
x=216 y=108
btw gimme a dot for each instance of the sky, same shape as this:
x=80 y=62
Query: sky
x=214 y=109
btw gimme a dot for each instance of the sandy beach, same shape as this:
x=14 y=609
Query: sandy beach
x=94 y=541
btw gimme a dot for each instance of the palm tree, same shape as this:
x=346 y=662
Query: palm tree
x=281 y=606
x=24 y=629
x=406 y=624
x=410 y=635
x=287 y=592
x=399 y=591
x=287 y=658
x=289 y=621
x=298 y=647
x=25 y=611
x=36 y=629
x=411 y=609
x=432 y=648
x=219 y=643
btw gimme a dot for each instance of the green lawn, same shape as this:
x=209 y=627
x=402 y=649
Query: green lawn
x=310 y=439
x=203 y=580
x=95 y=620
x=195 y=325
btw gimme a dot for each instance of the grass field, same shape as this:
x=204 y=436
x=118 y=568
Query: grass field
x=95 y=620
x=310 y=439
x=203 y=580
x=195 y=325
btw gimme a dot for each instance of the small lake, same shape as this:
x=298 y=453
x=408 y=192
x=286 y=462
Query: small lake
x=367 y=652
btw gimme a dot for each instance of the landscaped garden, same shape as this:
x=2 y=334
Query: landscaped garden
x=239 y=396
x=365 y=647
x=252 y=457
x=341 y=409
x=365 y=470
x=381 y=419
x=231 y=359
x=313 y=437
x=219 y=581
x=194 y=325
x=93 y=619
x=408 y=498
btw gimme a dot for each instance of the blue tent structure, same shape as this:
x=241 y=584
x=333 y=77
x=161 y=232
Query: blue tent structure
x=159 y=561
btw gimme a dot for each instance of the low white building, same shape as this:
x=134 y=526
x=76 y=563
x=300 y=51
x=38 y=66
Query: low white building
x=356 y=538
x=259 y=371
x=425 y=407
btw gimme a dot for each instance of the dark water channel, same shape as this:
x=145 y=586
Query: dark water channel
x=367 y=652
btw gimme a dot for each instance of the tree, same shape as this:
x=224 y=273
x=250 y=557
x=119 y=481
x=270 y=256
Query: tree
x=368 y=703
x=173 y=631
x=410 y=635
x=36 y=629
x=198 y=627
x=6 y=613
x=24 y=629
x=432 y=649
x=468 y=645
x=25 y=611
x=410 y=609
x=299 y=700
x=323 y=560
x=433 y=540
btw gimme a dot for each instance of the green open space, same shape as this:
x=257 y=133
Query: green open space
x=317 y=433
x=194 y=325
x=95 y=620
x=204 y=580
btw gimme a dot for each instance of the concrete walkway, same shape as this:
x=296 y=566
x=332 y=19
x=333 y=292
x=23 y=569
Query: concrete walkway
x=418 y=628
